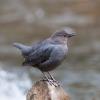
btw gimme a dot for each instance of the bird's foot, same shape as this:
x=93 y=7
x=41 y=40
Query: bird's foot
x=57 y=82
x=51 y=82
x=47 y=80
x=54 y=80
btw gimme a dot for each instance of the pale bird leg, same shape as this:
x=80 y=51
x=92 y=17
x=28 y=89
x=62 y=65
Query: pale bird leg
x=54 y=80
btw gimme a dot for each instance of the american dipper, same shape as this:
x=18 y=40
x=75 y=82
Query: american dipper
x=46 y=55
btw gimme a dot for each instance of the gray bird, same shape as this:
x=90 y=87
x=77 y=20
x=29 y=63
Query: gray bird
x=48 y=54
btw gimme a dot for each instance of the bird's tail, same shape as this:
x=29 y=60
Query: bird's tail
x=18 y=45
x=24 y=49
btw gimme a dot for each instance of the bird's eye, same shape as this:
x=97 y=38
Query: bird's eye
x=64 y=35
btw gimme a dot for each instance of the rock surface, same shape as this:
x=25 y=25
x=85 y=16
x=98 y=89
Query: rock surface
x=42 y=90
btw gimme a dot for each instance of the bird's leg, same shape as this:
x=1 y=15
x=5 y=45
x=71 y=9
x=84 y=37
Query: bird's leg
x=54 y=80
x=46 y=78
x=49 y=80
x=51 y=77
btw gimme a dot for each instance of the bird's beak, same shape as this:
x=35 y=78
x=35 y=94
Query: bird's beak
x=71 y=35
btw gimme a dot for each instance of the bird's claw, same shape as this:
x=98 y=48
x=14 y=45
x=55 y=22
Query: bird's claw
x=52 y=82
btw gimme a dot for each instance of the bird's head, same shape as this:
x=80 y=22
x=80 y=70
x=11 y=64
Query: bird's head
x=64 y=33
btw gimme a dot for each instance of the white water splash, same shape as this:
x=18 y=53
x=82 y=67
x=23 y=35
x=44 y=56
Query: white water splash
x=13 y=86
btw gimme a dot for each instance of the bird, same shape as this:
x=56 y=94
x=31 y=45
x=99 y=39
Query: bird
x=48 y=54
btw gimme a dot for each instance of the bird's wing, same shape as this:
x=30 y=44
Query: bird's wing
x=56 y=57
x=38 y=55
x=37 y=45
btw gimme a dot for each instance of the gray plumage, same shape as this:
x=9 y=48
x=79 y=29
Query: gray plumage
x=24 y=49
x=46 y=55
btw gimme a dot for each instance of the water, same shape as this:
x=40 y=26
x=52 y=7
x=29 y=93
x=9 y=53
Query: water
x=81 y=84
x=14 y=84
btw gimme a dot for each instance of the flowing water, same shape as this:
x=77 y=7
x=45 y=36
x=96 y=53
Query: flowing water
x=27 y=21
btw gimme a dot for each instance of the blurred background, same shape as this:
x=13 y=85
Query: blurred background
x=27 y=21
